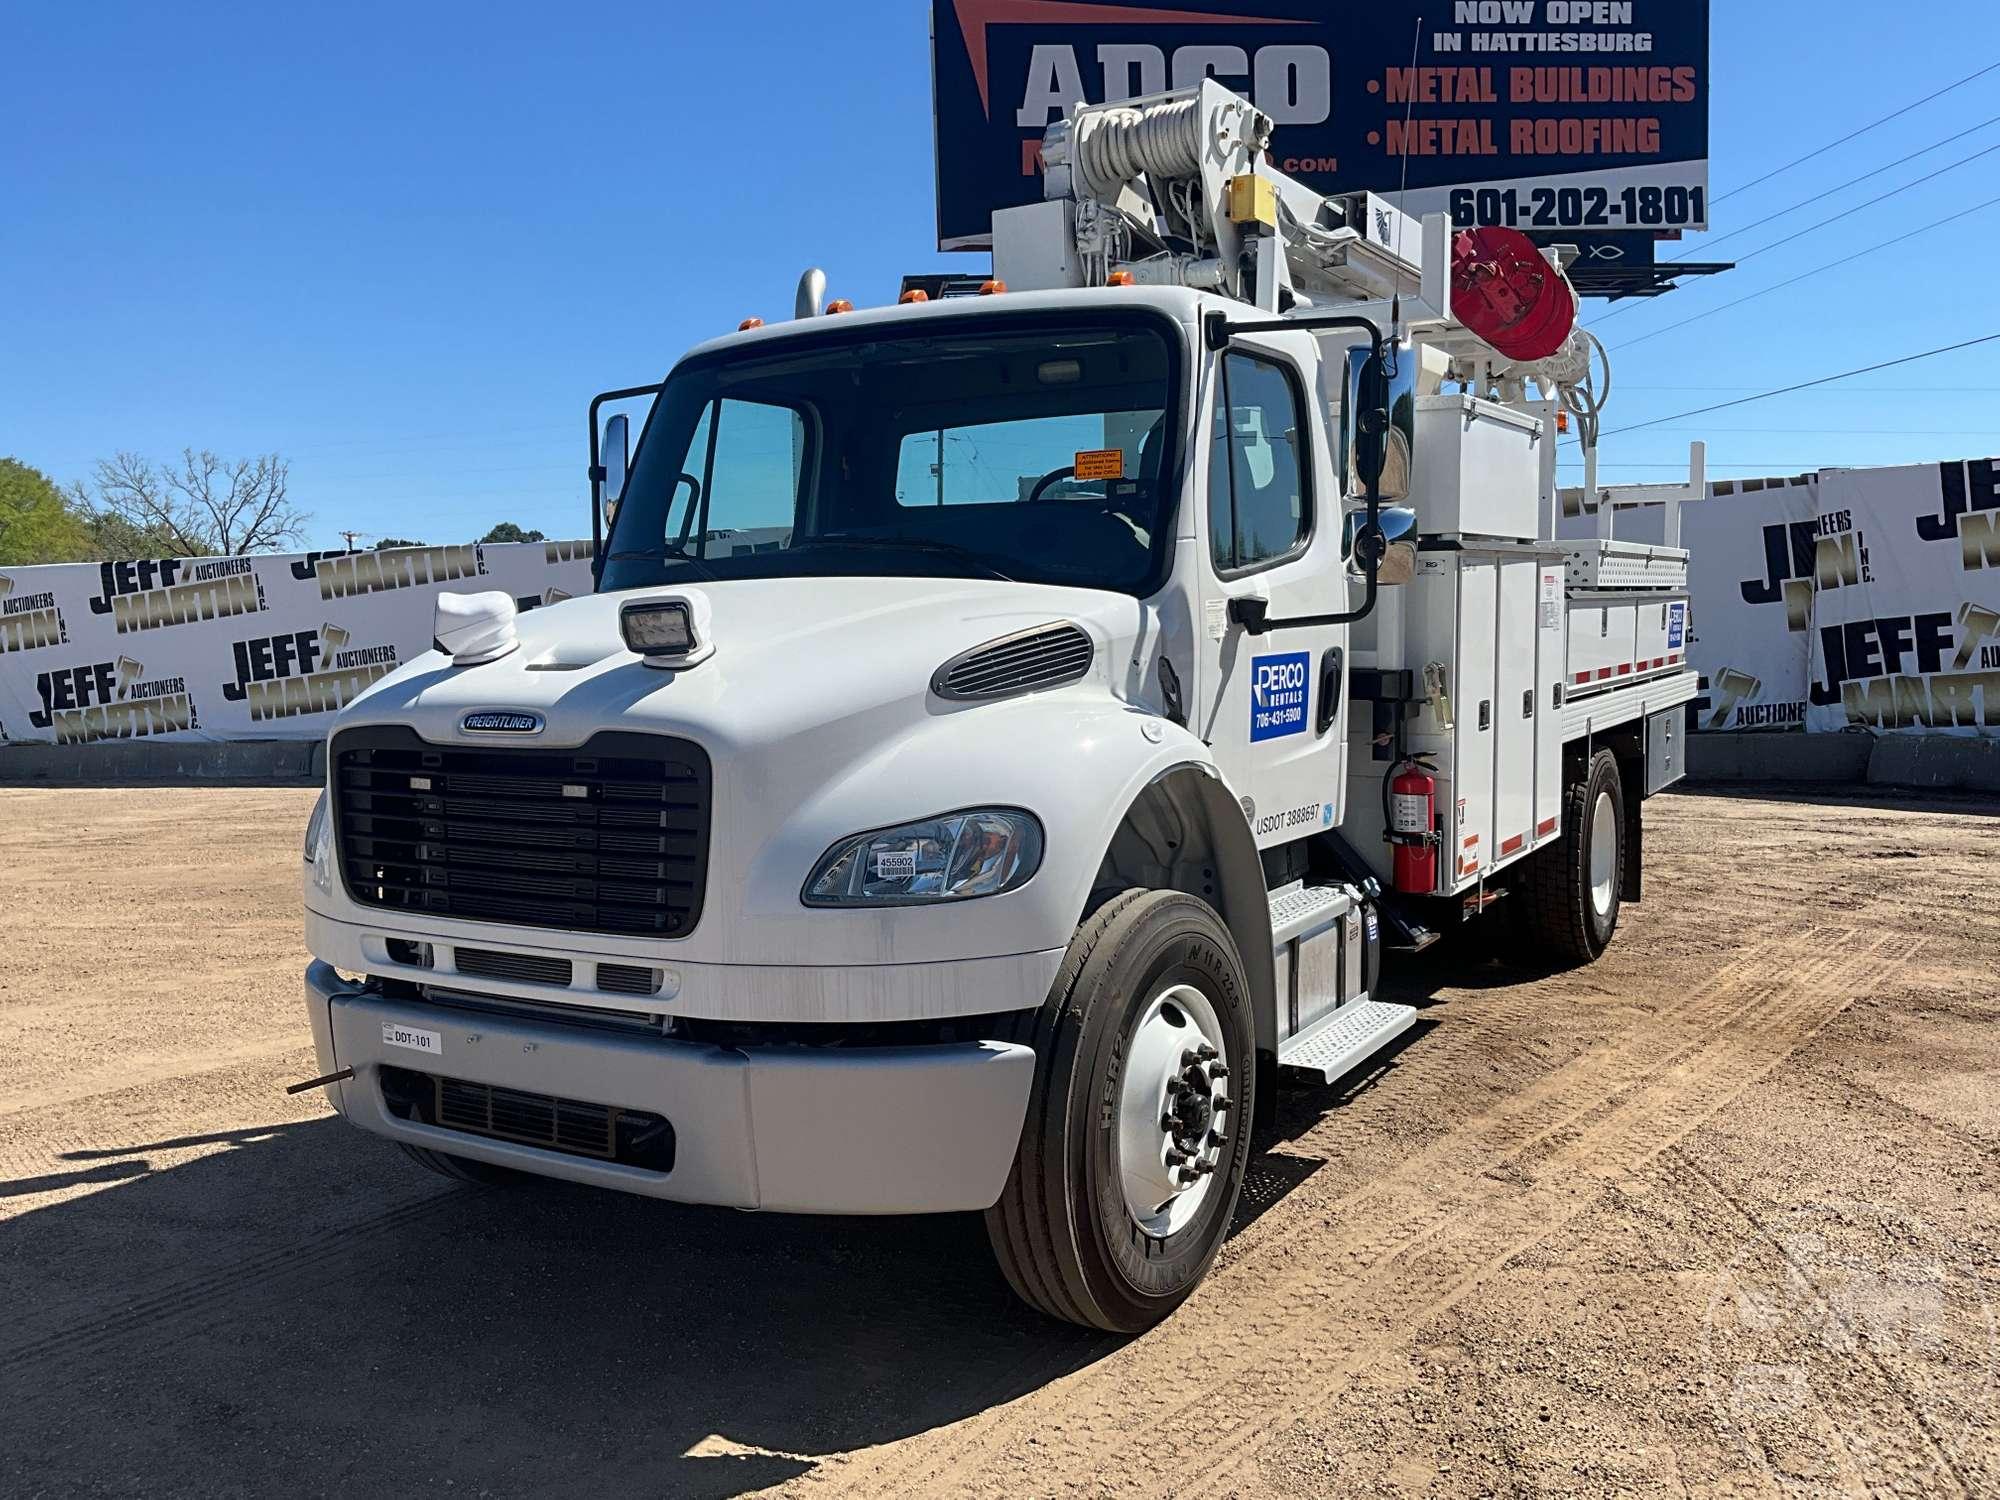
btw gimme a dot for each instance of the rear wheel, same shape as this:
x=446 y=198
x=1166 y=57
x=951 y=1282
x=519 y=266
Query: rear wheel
x=1137 y=1132
x=1570 y=891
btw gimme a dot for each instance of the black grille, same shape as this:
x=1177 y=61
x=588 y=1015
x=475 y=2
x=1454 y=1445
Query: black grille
x=1045 y=657
x=609 y=837
x=570 y=1126
x=525 y=968
x=628 y=979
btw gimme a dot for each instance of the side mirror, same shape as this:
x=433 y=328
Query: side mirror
x=1396 y=545
x=617 y=452
x=1379 y=429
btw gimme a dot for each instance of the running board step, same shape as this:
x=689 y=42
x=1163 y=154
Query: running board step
x=1336 y=1044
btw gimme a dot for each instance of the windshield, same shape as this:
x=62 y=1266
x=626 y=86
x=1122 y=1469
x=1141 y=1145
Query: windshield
x=1026 y=450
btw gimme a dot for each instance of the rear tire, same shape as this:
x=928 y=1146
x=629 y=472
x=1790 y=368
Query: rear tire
x=1134 y=1147
x=1569 y=893
x=461 y=1168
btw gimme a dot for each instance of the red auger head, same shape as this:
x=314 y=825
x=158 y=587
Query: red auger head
x=1507 y=294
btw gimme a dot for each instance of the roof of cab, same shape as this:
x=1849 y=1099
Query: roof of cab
x=1178 y=303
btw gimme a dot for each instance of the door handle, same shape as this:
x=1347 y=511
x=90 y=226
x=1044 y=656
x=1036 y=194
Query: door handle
x=1331 y=684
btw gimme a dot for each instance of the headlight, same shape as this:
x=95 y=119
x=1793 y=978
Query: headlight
x=954 y=857
x=319 y=843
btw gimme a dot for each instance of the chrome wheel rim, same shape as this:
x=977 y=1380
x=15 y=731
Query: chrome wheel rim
x=1603 y=852
x=1175 y=1111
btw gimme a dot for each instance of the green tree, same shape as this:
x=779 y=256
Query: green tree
x=37 y=523
x=394 y=541
x=507 y=531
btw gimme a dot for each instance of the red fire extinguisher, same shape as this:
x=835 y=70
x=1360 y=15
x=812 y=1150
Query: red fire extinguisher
x=1411 y=823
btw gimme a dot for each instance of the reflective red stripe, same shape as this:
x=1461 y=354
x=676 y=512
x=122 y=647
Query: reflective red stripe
x=1547 y=826
x=1624 y=669
x=1602 y=673
x=1583 y=677
x=1512 y=844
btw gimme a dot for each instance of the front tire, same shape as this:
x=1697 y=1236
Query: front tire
x=1137 y=1132
x=1571 y=891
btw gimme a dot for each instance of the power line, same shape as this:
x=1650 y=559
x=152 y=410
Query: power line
x=1840 y=431
x=1892 y=193
x=1800 y=234
x=1852 y=390
x=1844 y=260
x=1855 y=134
x=1887 y=364
x=1707 y=245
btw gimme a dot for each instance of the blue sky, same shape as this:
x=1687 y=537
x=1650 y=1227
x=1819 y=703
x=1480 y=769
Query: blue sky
x=404 y=244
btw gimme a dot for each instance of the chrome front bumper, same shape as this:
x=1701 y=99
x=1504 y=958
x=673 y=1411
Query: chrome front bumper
x=881 y=1130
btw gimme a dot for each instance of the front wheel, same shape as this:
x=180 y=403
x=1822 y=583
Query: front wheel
x=1137 y=1133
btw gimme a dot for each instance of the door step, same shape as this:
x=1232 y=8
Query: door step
x=1336 y=1044
x=1297 y=908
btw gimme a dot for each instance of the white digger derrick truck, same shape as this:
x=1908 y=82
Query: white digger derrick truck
x=1008 y=731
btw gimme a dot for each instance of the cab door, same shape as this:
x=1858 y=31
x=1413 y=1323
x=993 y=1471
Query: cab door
x=1273 y=714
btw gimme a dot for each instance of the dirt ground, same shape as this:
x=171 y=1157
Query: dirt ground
x=1715 y=1216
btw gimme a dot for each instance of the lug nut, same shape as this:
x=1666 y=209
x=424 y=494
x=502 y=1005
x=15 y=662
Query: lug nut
x=1169 y=1124
x=1190 y=1057
x=1204 y=1052
x=1216 y=1138
x=1203 y=1168
x=1217 y=1070
x=1220 y=1104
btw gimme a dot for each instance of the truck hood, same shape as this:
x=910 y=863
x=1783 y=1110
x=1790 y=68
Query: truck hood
x=816 y=713
x=824 y=656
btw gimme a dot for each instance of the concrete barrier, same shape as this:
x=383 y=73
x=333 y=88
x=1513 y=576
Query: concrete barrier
x=1778 y=757
x=1935 y=762
x=153 y=762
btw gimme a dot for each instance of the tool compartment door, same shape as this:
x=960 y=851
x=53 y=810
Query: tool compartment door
x=1470 y=847
x=1515 y=707
x=1551 y=658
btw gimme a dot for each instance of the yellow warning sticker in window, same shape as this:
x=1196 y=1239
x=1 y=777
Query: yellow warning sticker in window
x=1101 y=463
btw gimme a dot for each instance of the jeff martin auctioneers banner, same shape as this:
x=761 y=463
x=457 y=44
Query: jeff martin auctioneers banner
x=236 y=648
x=1851 y=599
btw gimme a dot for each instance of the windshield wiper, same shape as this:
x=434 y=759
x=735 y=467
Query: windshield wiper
x=665 y=555
x=909 y=543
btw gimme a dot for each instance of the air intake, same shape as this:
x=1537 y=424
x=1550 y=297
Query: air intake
x=1026 y=662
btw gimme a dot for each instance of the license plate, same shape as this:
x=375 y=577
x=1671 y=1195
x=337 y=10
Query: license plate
x=414 y=1038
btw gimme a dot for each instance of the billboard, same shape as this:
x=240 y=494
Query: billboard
x=1548 y=115
x=229 y=648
